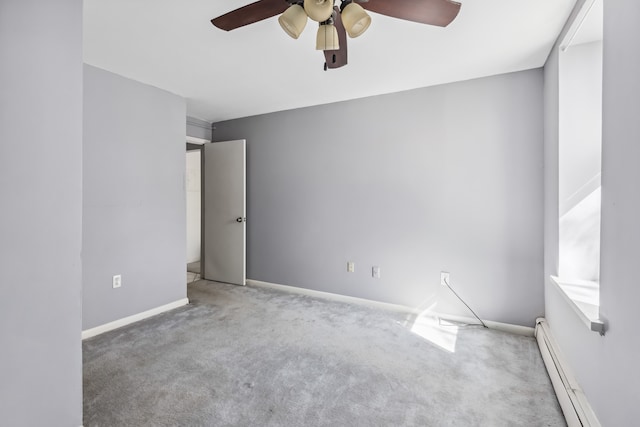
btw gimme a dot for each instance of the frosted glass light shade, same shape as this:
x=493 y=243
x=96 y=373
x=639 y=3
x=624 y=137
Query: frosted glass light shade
x=318 y=10
x=355 y=19
x=327 y=38
x=293 y=20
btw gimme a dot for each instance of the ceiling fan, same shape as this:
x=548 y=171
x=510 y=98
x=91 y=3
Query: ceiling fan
x=337 y=21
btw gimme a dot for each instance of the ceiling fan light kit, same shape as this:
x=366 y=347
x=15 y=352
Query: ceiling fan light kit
x=335 y=23
x=293 y=20
x=355 y=19
x=327 y=38
x=318 y=10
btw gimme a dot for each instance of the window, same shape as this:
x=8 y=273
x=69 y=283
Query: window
x=580 y=151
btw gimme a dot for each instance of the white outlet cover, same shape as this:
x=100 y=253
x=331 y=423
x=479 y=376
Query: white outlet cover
x=375 y=272
x=117 y=281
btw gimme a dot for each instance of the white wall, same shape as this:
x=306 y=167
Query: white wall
x=440 y=178
x=134 y=197
x=194 y=199
x=606 y=367
x=40 y=212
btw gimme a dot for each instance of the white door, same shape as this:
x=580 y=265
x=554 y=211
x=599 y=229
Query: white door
x=224 y=216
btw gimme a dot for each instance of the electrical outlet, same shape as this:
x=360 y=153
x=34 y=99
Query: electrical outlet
x=351 y=267
x=444 y=278
x=117 y=281
x=375 y=272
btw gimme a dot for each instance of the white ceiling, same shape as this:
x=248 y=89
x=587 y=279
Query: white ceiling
x=258 y=69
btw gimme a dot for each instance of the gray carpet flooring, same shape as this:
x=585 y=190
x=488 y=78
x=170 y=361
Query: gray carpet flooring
x=249 y=356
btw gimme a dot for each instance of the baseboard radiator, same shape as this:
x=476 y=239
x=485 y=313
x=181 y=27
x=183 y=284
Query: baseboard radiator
x=573 y=402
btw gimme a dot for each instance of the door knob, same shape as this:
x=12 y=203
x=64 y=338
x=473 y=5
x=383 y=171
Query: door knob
x=241 y=219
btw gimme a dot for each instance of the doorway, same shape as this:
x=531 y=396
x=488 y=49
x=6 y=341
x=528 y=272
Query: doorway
x=215 y=187
x=193 y=187
x=224 y=214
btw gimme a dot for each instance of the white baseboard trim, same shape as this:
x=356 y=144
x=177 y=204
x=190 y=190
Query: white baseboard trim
x=506 y=327
x=332 y=296
x=498 y=326
x=88 y=333
x=575 y=406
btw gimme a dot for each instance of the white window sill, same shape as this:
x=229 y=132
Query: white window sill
x=584 y=298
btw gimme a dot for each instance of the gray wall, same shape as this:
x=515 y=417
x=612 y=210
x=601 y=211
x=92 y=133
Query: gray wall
x=134 y=197
x=441 y=178
x=198 y=128
x=551 y=167
x=606 y=367
x=41 y=212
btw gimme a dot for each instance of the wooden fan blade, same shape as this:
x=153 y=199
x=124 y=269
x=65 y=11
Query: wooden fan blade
x=431 y=12
x=337 y=58
x=250 y=14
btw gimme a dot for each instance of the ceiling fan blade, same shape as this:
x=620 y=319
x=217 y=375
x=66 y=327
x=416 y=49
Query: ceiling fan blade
x=249 y=14
x=431 y=12
x=337 y=58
